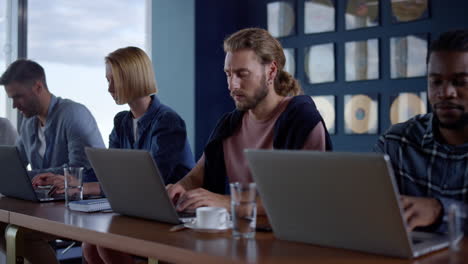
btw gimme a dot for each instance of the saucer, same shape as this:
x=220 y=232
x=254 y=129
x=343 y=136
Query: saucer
x=193 y=225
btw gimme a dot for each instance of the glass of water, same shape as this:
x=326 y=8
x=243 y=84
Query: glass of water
x=243 y=209
x=73 y=184
x=455 y=216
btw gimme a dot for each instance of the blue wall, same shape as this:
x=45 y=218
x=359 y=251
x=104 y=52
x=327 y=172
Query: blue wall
x=217 y=19
x=213 y=20
x=173 y=55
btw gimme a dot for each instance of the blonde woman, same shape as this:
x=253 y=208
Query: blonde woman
x=149 y=125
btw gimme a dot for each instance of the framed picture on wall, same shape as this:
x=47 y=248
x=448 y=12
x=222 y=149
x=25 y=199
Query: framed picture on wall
x=409 y=10
x=319 y=16
x=326 y=106
x=319 y=63
x=408 y=56
x=281 y=19
x=407 y=105
x=362 y=60
x=361 y=114
x=361 y=14
x=290 y=64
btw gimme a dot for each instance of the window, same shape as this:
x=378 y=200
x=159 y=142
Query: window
x=8 y=50
x=4 y=48
x=70 y=40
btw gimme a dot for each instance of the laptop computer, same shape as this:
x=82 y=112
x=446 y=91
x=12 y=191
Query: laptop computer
x=133 y=185
x=15 y=181
x=344 y=200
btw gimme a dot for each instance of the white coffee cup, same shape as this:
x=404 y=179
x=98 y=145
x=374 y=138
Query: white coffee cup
x=211 y=217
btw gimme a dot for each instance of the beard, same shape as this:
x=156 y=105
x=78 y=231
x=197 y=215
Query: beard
x=32 y=108
x=250 y=103
x=29 y=113
x=457 y=124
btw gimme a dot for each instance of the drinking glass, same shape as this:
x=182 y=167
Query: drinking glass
x=73 y=184
x=243 y=209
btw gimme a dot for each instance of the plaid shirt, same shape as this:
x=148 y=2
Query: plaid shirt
x=424 y=166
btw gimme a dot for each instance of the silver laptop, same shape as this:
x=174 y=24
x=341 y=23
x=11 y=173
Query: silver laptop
x=15 y=181
x=344 y=200
x=133 y=185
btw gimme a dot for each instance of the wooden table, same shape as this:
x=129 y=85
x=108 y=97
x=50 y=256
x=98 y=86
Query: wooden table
x=152 y=239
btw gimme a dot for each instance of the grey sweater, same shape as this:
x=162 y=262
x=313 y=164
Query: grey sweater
x=8 y=133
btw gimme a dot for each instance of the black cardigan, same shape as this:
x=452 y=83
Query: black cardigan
x=291 y=130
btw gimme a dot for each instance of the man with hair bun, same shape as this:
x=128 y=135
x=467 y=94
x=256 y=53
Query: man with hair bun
x=270 y=113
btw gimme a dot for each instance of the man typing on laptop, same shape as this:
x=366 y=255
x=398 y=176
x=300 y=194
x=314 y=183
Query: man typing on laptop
x=269 y=113
x=54 y=131
x=429 y=152
x=53 y=134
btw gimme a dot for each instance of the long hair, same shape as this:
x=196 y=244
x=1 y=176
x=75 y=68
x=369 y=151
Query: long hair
x=267 y=49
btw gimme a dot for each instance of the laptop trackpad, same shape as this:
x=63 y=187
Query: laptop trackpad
x=424 y=242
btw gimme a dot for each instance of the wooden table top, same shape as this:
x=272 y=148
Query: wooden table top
x=153 y=239
x=4 y=216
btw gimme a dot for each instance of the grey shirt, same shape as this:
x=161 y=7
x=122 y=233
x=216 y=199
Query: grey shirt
x=69 y=128
x=8 y=133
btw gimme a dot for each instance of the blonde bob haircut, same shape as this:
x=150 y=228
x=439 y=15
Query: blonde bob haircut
x=132 y=73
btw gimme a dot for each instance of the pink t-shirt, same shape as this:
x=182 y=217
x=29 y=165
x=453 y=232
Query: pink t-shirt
x=258 y=134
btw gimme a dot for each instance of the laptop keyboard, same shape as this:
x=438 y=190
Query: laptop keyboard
x=418 y=237
x=43 y=195
x=186 y=214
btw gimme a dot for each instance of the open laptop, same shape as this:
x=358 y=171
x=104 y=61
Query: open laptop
x=344 y=200
x=15 y=181
x=133 y=185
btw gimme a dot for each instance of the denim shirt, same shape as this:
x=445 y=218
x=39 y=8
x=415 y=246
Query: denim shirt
x=426 y=167
x=161 y=131
x=69 y=128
